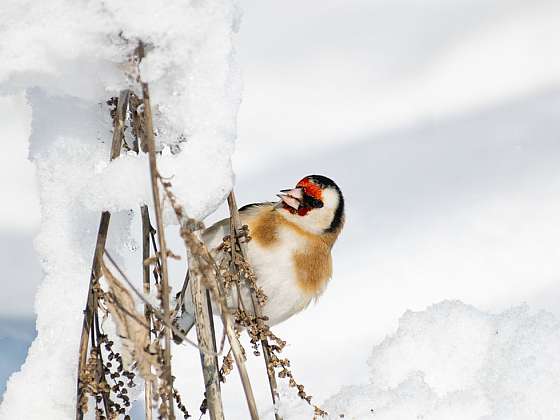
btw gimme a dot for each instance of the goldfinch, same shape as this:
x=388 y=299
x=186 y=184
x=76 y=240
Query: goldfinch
x=289 y=250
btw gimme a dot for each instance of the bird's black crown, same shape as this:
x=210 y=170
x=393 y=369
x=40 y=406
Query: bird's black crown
x=323 y=181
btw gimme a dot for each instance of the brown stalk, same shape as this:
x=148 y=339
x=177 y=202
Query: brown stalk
x=155 y=311
x=150 y=142
x=205 y=271
x=205 y=340
x=256 y=325
x=146 y=228
x=204 y=268
x=235 y=227
x=100 y=365
x=130 y=325
x=91 y=303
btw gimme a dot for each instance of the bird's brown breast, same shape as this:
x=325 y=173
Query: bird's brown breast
x=313 y=267
x=312 y=261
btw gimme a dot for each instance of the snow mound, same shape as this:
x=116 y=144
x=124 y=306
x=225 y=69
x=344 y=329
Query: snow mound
x=453 y=361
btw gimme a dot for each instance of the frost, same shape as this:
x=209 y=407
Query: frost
x=453 y=361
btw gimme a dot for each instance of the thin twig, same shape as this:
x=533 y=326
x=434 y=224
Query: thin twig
x=95 y=344
x=206 y=269
x=146 y=227
x=118 y=124
x=150 y=142
x=235 y=226
x=210 y=370
x=155 y=311
x=89 y=310
x=116 y=145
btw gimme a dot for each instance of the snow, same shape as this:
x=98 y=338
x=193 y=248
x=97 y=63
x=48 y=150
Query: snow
x=189 y=64
x=455 y=361
x=23 y=213
x=70 y=57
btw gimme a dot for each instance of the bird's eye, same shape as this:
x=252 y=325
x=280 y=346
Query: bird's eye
x=311 y=202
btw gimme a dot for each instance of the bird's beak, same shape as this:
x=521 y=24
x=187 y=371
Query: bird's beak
x=292 y=197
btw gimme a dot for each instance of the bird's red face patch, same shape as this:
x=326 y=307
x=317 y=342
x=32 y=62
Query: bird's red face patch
x=302 y=211
x=310 y=188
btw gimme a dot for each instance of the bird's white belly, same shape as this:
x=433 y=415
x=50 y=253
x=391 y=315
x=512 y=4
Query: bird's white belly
x=274 y=267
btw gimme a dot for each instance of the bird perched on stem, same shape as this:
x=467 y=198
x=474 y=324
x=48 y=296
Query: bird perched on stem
x=290 y=247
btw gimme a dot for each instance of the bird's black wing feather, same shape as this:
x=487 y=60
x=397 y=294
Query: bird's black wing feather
x=250 y=206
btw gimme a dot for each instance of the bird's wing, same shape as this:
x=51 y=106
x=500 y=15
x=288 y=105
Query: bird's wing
x=214 y=235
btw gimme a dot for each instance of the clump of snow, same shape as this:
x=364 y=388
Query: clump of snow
x=76 y=54
x=70 y=56
x=453 y=361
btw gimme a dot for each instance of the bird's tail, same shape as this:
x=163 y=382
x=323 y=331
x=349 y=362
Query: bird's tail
x=184 y=321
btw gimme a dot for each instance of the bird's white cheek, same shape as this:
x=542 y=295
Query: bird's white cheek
x=321 y=218
x=316 y=221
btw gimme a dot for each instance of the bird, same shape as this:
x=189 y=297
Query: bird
x=289 y=250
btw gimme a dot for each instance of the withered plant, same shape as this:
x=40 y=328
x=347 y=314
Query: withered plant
x=224 y=276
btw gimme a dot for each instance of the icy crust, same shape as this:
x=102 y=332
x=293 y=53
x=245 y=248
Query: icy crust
x=453 y=361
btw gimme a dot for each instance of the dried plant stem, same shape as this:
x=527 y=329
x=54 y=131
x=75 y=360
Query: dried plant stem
x=212 y=328
x=156 y=312
x=235 y=226
x=95 y=344
x=90 y=308
x=203 y=267
x=240 y=362
x=118 y=123
x=150 y=142
x=205 y=340
x=91 y=305
x=203 y=270
x=146 y=228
